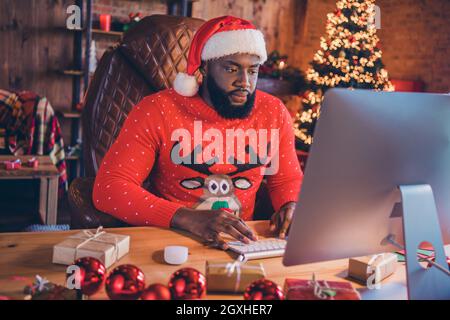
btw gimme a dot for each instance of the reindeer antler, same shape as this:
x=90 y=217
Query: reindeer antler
x=189 y=160
x=241 y=167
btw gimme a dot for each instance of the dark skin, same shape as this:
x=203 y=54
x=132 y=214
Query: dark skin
x=237 y=75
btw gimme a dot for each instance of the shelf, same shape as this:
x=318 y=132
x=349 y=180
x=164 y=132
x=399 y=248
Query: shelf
x=96 y=32
x=77 y=73
x=108 y=33
x=72 y=158
x=69 y=114
x=74 y=30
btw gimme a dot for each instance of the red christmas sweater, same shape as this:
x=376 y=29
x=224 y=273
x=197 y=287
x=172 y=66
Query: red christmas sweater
x=184 y=149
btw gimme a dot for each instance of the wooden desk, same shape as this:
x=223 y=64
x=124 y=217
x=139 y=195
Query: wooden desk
x=48 y=175
x=28 y=254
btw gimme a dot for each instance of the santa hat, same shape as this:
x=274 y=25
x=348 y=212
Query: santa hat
x=217 y=38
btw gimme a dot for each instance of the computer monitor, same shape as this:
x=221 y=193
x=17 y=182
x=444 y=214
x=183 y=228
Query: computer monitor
x=366 y=144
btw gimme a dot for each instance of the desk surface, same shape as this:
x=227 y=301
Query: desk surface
x=23 y=255
x=46 y=168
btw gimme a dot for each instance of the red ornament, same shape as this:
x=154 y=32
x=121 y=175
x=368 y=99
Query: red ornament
x=187 y=284
x=156 y=291
x=338 y=13
x=263 y=289
x=91 y=275
x=126 y=282
x=306 y=94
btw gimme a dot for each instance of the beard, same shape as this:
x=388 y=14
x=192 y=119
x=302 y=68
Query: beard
x=222 y=104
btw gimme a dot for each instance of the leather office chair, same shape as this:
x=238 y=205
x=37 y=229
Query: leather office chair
x=145 y=61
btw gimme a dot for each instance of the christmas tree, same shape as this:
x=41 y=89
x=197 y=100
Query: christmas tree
x=350 y=57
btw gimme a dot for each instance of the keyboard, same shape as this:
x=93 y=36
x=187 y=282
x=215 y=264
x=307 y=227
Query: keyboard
x=266 y=248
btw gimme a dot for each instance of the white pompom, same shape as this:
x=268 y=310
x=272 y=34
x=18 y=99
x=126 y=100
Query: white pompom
x=185 y=84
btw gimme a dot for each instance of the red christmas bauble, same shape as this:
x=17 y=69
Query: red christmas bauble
x=187 y=284
x=91 y=275
x=126 y=282
x=156 y=291
x=263 y=289
x=306 y=94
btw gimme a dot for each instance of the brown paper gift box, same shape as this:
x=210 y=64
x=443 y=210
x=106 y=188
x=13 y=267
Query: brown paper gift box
x=359 y=269
x=106 y=247
x=229 y=276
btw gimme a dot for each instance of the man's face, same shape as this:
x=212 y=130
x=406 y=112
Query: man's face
x=231 y=84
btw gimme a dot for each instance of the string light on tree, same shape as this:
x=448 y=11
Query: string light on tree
x=349 y=57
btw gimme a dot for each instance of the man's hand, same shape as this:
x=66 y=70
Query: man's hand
x=208 y=224
x=281 y=220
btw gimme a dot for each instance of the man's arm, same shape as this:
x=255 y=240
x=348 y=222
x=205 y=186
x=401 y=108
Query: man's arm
x=117 y=188
x=284 y=185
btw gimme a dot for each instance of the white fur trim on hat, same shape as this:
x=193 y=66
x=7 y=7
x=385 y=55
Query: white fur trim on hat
x=185 y=84
x=236 y=41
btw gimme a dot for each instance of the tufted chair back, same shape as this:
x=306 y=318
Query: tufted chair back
x=145 y=61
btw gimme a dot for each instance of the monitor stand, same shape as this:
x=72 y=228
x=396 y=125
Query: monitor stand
x=420 y=223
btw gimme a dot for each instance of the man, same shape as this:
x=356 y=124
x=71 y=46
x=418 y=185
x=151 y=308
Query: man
x=205 y=148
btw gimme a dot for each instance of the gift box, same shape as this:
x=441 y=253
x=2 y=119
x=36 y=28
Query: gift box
x=106 y=247
x=297 y=289
x=381 y=265
x=234 y=276
x=13 y=165
x=33 y=163
x=42 y=289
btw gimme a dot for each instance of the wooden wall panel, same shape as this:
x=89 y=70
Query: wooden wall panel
x=33 y=45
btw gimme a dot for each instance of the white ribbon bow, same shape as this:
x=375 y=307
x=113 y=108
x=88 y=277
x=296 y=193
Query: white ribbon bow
x=40 y=283
x=318 y=289
x=91 y=236
x=372 y=262
x=235 y=267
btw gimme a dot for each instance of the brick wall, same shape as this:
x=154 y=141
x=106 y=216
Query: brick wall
x=414 y=34
x=314 y=28
x=415 y=37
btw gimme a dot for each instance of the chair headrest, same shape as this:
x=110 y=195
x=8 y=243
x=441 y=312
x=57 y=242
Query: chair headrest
x=158 y=47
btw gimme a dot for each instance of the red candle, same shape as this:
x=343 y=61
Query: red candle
x=105 y=22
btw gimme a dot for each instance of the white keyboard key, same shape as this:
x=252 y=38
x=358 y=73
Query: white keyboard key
x=259 y=249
